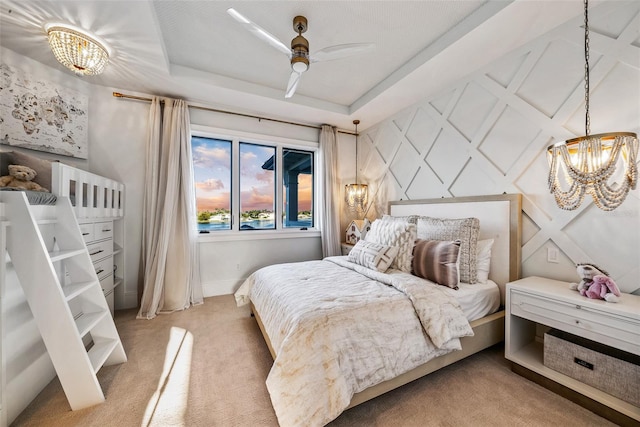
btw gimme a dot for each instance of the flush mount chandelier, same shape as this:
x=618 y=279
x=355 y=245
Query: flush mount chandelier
x=588 y=162
x=356 y=195
x=77 y=50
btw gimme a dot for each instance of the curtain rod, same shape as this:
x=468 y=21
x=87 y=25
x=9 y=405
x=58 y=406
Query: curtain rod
x=141 y=98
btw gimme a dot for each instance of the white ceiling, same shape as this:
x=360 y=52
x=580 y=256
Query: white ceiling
x=195 y=50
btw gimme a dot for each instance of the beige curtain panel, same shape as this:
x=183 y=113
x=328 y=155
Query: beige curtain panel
x=330 y=193
x=170 y=257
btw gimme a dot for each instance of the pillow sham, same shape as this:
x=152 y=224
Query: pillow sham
x=373 y=255
x=413 y=219
x=464 y=229
x=436 y=260
x=390 y=232
x=483 y=261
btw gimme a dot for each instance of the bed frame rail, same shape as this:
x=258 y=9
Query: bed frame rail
x=91 y=195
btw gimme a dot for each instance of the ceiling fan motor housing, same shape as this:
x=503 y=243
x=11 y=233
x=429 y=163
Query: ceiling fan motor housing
x=299 y=46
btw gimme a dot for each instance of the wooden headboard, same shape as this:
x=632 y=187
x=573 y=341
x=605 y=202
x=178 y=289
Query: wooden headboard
x=500 y=219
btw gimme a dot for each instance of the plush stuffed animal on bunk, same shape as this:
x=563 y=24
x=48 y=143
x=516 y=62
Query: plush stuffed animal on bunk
x=595 y=283
x=21 y=177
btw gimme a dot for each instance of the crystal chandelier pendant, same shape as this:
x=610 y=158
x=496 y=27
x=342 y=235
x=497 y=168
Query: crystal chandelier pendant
x=603 y=165
x=356 y=195
x=588 y=163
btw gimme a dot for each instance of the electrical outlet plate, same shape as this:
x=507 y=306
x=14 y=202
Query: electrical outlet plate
x=552 y=255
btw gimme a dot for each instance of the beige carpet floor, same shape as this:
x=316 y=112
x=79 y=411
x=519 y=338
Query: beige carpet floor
x=207 y=366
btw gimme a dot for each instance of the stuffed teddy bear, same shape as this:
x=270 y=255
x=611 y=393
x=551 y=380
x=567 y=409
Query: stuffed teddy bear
x=21 y=177
x=595 y=283
x=603 y=287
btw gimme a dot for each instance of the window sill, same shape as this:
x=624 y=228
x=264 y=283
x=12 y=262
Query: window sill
x=229 y=236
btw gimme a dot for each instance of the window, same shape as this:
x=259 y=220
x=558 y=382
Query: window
x=242 y=184
x=212 y=175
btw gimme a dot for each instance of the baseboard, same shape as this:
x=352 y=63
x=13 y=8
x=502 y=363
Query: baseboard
x=126 y=300
x=580 y=399
x=221 y=287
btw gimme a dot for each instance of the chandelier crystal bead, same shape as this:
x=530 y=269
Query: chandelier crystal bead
x=77 y=51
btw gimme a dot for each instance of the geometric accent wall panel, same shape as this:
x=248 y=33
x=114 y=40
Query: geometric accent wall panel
x=422 y=131
x=508 y=138
x=472 y=109
x=536 y=89
x=488 y=134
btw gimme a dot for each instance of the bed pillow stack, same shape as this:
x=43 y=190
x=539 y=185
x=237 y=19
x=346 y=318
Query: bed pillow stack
x=390 y=231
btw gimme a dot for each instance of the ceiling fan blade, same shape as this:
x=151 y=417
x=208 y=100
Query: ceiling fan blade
x=294 y=79
x=341 y=51
x=259 y=32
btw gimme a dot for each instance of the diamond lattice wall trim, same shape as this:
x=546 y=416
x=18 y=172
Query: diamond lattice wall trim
x=488 y=135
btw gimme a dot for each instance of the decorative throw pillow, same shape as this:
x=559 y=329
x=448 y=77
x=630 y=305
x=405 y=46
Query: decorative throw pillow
x=464 y=229
x=402 y=234
x=413 y=219
x=483 y=261
x=373 y=255
x=436 y=260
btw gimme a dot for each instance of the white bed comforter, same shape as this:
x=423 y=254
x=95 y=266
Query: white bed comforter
x=338 y=328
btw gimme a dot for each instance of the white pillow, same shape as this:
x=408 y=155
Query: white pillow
x=391 y=232
x=373 y=255
x=483 y=260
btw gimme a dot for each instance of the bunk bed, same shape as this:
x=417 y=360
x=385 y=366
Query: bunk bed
x=317 y=373
x=75 y=210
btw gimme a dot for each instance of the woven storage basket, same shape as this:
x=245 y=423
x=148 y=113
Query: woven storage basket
x=608 y=369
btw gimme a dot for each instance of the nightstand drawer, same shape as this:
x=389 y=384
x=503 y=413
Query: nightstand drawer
x=598 y=325
x=346 y=248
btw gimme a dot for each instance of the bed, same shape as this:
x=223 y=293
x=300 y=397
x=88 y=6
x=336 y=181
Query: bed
x=342 y=333
x=26 y=367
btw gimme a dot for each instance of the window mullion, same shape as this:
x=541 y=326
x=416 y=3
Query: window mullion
x=279 y=185
x=235 y=184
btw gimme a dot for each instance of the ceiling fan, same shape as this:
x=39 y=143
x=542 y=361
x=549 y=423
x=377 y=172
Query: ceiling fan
x=298 y=54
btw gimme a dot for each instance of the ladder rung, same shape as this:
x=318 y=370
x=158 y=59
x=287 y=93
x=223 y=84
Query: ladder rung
x=60 y=255
x=101 y=349
x=73 y=290
x=87 y=321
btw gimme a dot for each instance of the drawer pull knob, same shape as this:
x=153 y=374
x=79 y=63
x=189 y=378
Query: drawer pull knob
x=577 y=322
x=578 y=307
x=106 y=231
x=96 y=253
x=85 y=234
x=99 y=271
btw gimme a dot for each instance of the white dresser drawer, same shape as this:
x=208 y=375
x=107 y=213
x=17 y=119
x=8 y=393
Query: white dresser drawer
x=599 y=325
x=104 y=268
x=106 y=283
x=100 y=250
x=103 y=230
x=87 y=232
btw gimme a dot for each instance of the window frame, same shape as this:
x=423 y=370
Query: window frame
x=235 y=233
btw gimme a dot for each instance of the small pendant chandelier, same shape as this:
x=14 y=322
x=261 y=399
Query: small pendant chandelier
x=356 y=195
x=589 y=161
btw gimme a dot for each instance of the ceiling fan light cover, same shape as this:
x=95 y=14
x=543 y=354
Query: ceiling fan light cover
x=299 y=64
x=77 y=51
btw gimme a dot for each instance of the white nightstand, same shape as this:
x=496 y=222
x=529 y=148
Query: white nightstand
x=346 y=248
x=536 y=300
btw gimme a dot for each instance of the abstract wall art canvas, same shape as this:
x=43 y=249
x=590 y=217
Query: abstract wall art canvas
x=40 y=115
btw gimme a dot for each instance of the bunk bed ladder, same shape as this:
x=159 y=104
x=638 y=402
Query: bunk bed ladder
x=51 y=281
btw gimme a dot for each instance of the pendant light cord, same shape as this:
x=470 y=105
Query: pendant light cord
x=587 y=119
x=356 y=122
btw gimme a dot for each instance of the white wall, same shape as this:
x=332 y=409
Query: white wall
x=488 y=135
